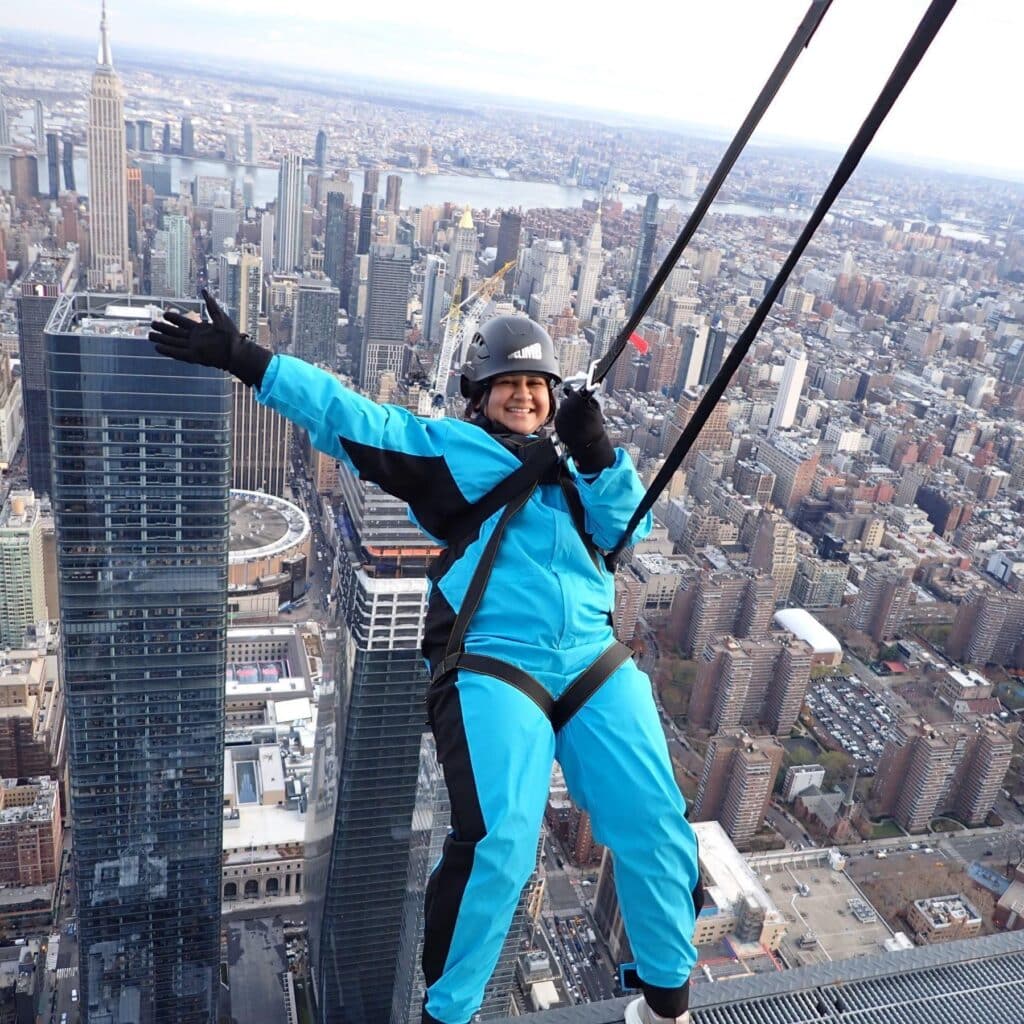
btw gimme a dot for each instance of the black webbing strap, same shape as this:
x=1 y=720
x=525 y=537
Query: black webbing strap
x=538 y=458
x=801 y=38
x=587 y=683
x=915 y=50
x=482 y=573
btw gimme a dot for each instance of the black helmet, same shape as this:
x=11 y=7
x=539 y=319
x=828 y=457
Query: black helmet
x=508 y=344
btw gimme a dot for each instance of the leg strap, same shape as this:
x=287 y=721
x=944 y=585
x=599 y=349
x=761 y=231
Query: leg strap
x=558 y=712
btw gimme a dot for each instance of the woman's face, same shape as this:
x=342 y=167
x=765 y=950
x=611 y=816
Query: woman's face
x=519 y=401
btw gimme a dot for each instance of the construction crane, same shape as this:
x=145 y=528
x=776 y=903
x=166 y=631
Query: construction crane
x=461 y=321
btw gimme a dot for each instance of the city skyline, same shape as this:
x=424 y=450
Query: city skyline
x=944 y=117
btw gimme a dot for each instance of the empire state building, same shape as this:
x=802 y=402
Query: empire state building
x=110 y=268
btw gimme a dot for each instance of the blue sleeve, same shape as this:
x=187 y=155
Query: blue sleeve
x=382 y=443
x=609 y=499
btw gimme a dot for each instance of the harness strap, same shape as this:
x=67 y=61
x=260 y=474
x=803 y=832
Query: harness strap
x=588 y=682
x=558 y=712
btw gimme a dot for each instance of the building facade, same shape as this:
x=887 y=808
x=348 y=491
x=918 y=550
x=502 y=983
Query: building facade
x=141 y=475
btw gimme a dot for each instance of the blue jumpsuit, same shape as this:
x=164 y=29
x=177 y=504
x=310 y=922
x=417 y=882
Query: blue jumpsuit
x=546 y=609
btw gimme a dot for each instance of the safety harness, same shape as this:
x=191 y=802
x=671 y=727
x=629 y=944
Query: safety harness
x=540 y=460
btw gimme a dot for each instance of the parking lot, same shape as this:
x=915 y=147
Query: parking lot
x=857 y=719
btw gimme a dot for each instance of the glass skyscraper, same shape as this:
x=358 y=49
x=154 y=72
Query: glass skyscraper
x=141 y=450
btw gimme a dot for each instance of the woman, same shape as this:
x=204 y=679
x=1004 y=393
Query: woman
x=518 y=638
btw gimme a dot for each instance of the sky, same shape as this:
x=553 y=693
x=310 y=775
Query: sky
x=697 y=62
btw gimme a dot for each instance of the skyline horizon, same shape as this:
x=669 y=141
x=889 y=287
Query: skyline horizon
x=80 y=26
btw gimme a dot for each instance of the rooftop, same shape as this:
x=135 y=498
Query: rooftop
x=973 y=979
x=263 y=525
x=805 y=626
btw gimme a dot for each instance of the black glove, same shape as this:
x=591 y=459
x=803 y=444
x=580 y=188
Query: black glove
x=580 y=427
x=216 y=343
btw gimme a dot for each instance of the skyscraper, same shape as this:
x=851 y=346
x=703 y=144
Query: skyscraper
x=51 y=276
x=645 y=250
x=142 y=536
x=387 y=304
x=510 y=227
x=288 y=215
x=108 y=172
x=24 y=179
x=784 y=410
x=462 y=258
x=393 y=195
x=40 y=127
x=883 y=599
x=383 y=592
x=5 y=132
x=249 y=142
x=544 y=279
x=736 y=784
x=241 y=287
x=337 y=231
x=52 y=165
x=315 y=321
x=590 y=272
x=714 y=353
x=371 y=180
x=320 y=149
x=22 y=590
x=165 y=138
x=68 y=156
x=188 y=138
x=179 y=255
x=435 y=304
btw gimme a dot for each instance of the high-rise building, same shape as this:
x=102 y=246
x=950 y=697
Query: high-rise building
x=590 y=272
x=723 y=603
x=883 y=600
x=110 y=268
x=736 y=784
x=241 y=287
x=24 y=179
x=383 y=593
x=68 y=156
x=544 y=280
x=926 y=770
x=645 y=250
x=47 y=279
x=142 y=540
x=144 y=135
x=694 y=340
x=249 y=137
x=794 y=465
x=714 y=436
x=510 y=227
x=40 y=127
x=393 y=193
x=5 y=131
x=31 y=835
x=367 y=204
x=337 y=230
x=989 y=629
x=818 y=583
x=260 y=442
x=320 y=149
x=784 y=410
x=165 y=138
x=223 y=228
x=12 y=411
x=462 y=255
x=774 y=550
x=315 y=321
x=22 y=587
x=288 y=215
x=188 y=138
x=179 y=255
x=718 y=341
x=746 y=682
x=52 y=165
x=387 y=306
x=435 y=303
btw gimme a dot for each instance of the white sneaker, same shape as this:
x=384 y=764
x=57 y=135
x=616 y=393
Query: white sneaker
x=638 y=1012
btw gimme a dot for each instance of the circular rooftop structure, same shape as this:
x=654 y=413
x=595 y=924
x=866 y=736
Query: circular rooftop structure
x=264 y=526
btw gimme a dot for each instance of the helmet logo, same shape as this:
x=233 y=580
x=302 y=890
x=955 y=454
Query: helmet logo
x=529 y=352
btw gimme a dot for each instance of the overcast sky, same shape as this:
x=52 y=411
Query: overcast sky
x=698 y=61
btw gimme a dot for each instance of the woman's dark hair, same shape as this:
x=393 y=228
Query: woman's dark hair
x=478 y=399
